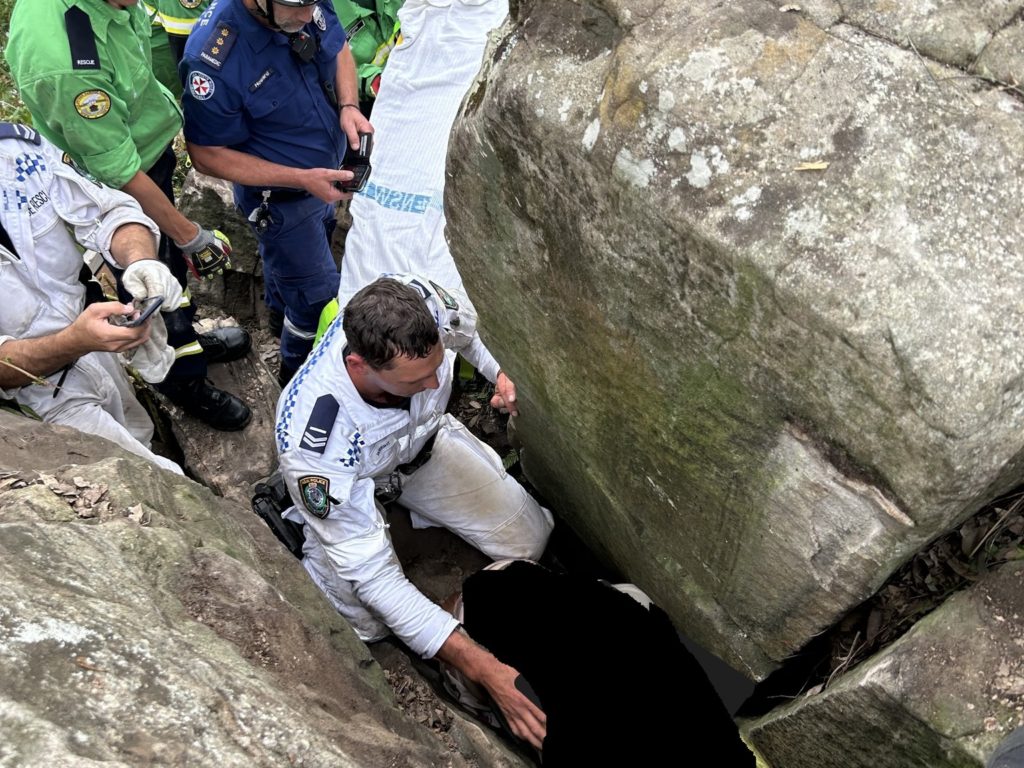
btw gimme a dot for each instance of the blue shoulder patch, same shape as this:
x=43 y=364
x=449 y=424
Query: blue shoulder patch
x=321 y=422
x=18 y=131
x=218 y=45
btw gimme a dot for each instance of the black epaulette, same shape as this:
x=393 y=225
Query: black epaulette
x=81 y=39
x=18 y=131
x=218 y=45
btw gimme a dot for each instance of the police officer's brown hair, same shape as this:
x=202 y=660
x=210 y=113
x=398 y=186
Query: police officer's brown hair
x=387 y=319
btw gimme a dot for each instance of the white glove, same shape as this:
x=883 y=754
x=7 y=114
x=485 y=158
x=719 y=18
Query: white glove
x=149 y=277
x=154 y=358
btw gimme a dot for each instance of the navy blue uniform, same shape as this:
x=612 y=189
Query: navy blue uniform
x=246 y=90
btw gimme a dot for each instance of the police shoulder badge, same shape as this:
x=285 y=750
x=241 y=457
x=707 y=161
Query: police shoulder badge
x=447 y=298
x=318 y=17
x=315 y=493
x=67 y=160
x=92 y=104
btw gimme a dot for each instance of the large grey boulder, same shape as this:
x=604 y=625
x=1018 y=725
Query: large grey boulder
x=756 y=388
x=147 y=621
x=943 y=696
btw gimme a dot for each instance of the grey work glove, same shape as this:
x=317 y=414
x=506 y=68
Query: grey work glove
x=149 y=277
x=154 y=358
x=208 y=253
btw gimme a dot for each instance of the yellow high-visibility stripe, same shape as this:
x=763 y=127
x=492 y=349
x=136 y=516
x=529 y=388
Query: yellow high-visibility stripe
x=175 y=25
x=186 y=298
x=188 y=349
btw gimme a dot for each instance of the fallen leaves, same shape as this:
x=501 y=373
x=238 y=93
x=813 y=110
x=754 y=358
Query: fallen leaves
x=88 y=499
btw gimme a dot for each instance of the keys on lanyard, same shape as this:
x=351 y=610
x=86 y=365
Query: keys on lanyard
x=260 y=216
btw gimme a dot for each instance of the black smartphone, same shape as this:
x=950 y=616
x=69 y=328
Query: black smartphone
x=143 y=310
x=359 y=164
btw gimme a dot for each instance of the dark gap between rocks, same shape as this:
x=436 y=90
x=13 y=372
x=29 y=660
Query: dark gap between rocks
x=950 y=563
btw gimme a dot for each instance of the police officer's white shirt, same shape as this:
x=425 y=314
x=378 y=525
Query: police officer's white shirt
x=326 y=433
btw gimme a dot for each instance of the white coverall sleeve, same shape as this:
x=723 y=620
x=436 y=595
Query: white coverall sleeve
x=92 y=210
x=457 y=321
x=357 y=547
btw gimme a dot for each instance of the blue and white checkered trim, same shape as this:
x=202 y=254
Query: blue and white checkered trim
x=27 y=164
x=291 y=392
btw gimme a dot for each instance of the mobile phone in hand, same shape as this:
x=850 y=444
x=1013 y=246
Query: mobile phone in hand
x=143 y=310
x=359 y=164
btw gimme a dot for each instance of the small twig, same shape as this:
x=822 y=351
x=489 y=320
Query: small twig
x=844 y=662
x=938 y=83
x=995 y=527
x=34 y=379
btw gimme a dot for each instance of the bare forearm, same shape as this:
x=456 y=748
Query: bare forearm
x=132 y=242
x=243 y=168
x=156 y=205
x=346 y=83
x=470 y=659
x=39 y=357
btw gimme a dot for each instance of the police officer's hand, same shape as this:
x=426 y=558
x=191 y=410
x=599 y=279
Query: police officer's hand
x=208 y=253
x=149 y=277
x=93 y=332
x=505 y=395
x=320 y=182
x=353 y=122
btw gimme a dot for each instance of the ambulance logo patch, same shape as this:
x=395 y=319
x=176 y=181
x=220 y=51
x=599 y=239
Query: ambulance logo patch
x=318 y=17
x=92 y=105
x=200 y=86
x=190 y=4
x=315 y=492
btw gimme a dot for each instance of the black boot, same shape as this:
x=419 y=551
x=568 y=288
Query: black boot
x=215 y=407
x=222 y=345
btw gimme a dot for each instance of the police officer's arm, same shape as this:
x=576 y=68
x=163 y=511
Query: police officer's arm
x=458 y=322
x=243 y=168
x=525 y=718
x=346 y=84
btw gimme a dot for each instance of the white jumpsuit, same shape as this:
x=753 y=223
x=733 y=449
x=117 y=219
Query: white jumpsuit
x=398 y=220
x=51 y=213
x=336 y=449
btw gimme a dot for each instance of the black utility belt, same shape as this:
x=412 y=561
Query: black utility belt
x=419 y=459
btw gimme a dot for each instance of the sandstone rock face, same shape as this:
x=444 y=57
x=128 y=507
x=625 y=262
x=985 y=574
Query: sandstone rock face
x=148 y=621
x=239 y=291
x=757 y=276
x=943 y=696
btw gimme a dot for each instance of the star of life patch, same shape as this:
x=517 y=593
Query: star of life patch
x=92 y=105
x=315 y=491
x=200 y=85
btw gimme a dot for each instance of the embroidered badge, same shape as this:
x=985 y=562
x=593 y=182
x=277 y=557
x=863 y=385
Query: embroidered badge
x=449 y=301
x=315 y=491
x=92 y=105
x=190 y=4
x=66 y=159
x=261 y=79
x=318 y=17
x=200 y=86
